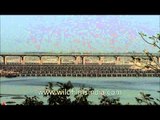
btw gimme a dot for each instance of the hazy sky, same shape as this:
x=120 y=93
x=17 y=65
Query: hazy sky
x=77 y=33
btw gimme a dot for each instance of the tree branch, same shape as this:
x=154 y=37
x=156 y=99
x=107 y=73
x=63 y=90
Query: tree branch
x=149 y=42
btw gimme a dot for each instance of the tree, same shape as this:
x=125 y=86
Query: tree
x=32 y=101
x=152 y=63
x=60 y=96
x=146 y=99
x=153 y=40
x=105 y=100
x=82 y=97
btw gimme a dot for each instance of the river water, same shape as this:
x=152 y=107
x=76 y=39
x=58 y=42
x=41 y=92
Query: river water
x=127 y=88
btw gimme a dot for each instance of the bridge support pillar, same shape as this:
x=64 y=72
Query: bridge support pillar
x=100 y=60
x=83 y=60
x=158 y=60
x=4 y=60
x=40 y=60
x=22 y=60
x=117 y=59
x=76 y=60
x=59 y=60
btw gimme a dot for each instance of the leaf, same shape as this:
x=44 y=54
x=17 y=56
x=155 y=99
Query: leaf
x=148 y=95
x=158 y=100
x=151 y=98
x=142 y=93
x=155 y=103
x=138 y=100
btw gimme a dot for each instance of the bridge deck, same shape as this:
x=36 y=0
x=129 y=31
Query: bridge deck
x=67 y=54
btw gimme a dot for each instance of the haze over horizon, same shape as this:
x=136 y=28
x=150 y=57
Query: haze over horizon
x=77 y=33
x=73 y=52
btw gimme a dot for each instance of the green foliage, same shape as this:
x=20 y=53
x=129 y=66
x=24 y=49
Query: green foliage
x=32 y=101
x=146 y=99
x=60 y=96
x=152 y=40
x=105 y=100
x=82 y=97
